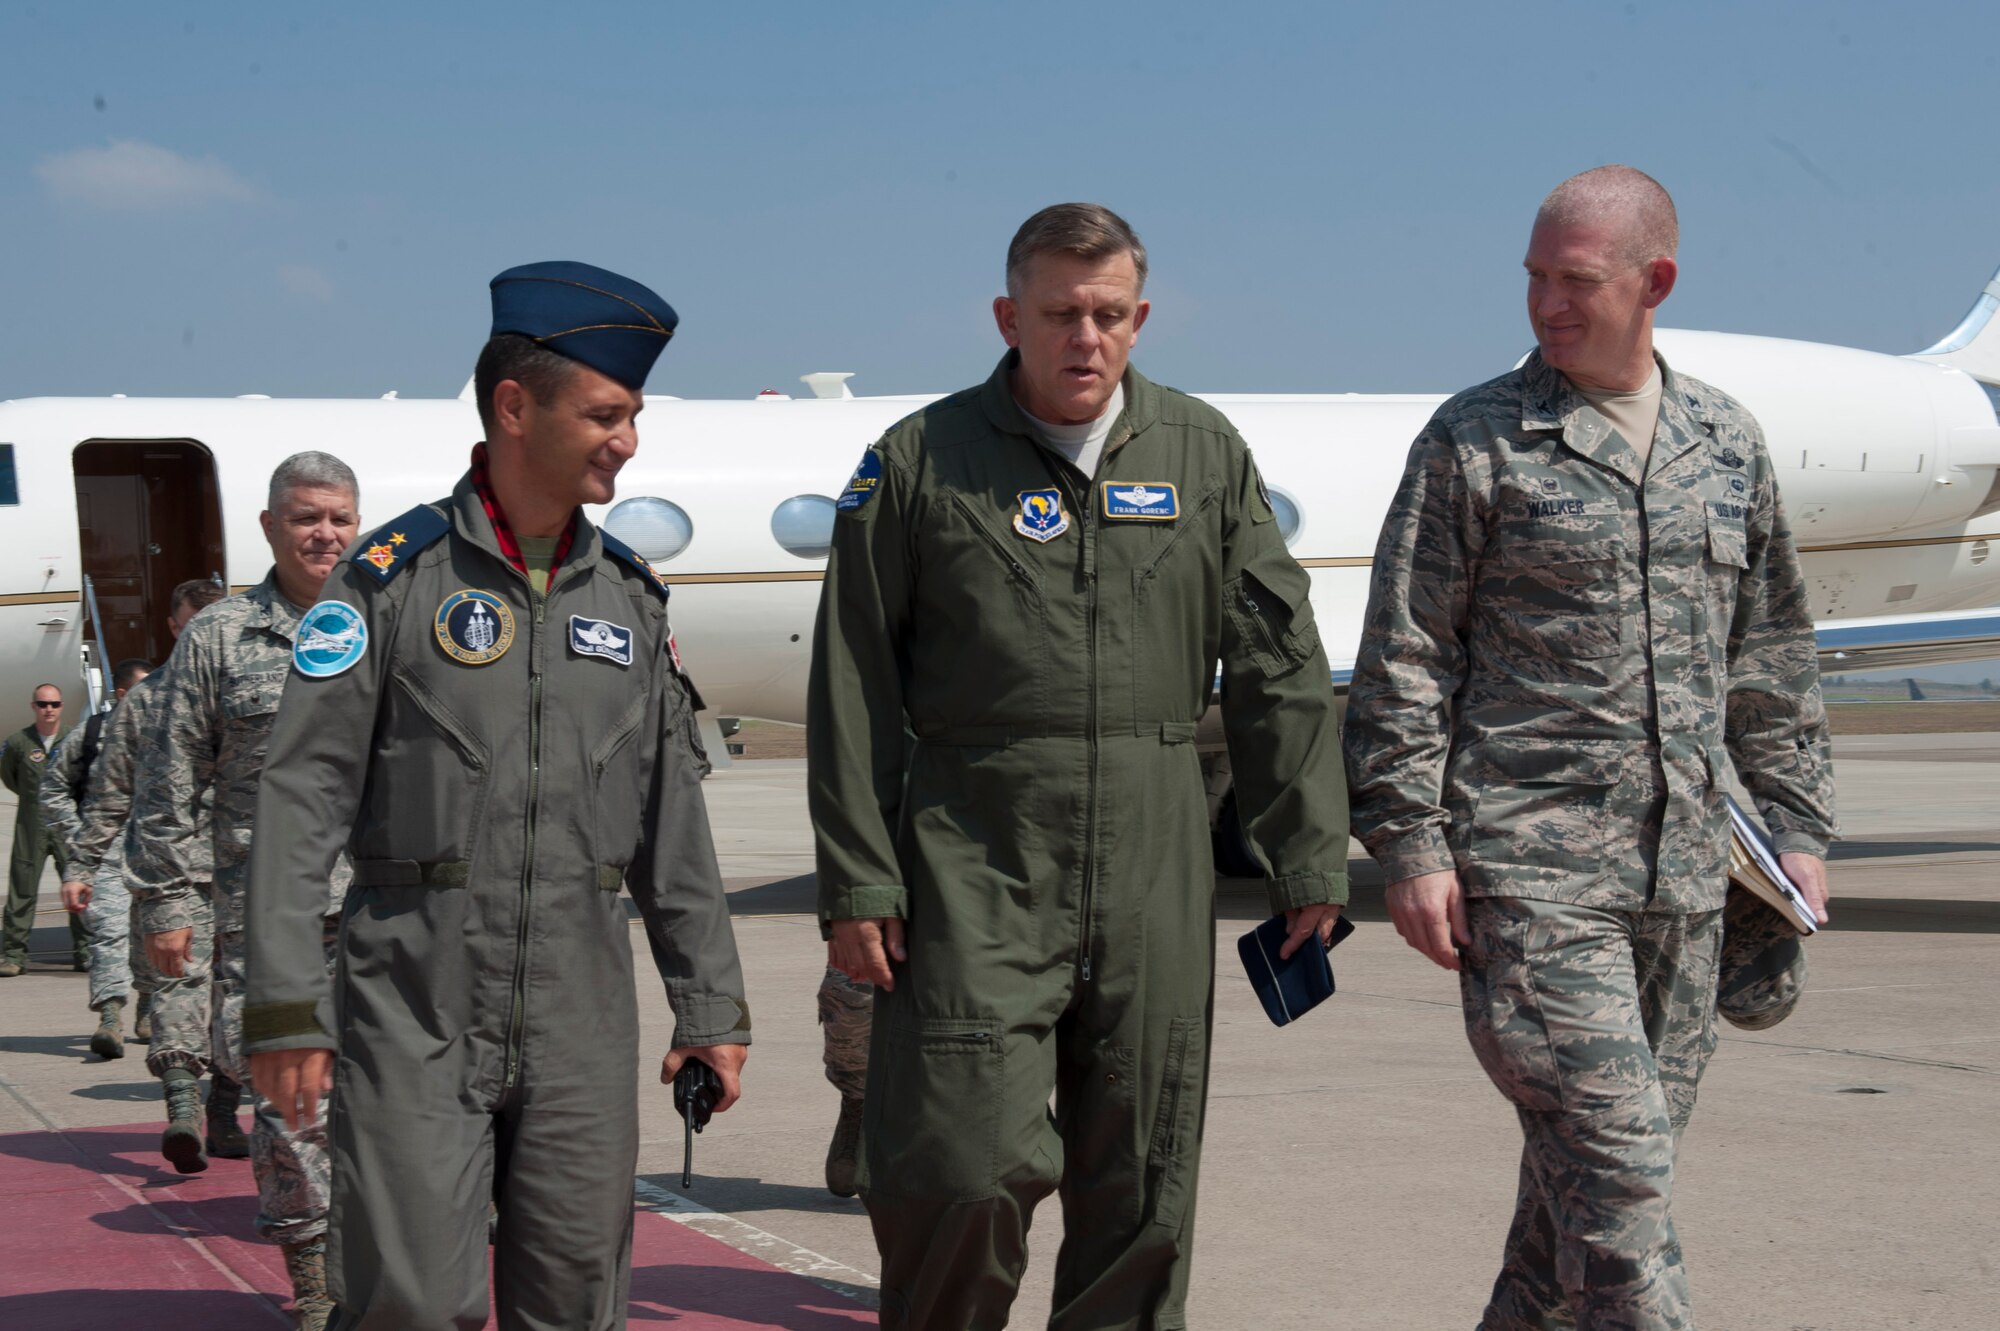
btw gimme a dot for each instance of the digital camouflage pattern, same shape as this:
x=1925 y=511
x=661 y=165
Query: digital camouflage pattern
x=844 y=1009
x=1763 y=969
x=183 y=1005
x=1552 y=618
x=209 y=724
x=294 y=1171
x=1596 y=1025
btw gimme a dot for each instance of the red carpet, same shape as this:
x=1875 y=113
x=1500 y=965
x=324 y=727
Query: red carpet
x=99 y=1234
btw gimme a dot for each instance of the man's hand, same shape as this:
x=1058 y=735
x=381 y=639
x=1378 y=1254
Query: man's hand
x=293 y=1080
x=76 y=897
x=862 y=950
x=726 y=1059
x=1302 y=922
x=1429 y=912
x=169 y=951
x=1808 y=874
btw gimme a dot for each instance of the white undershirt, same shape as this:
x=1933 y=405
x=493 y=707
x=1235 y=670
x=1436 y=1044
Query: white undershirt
x=1081 y=444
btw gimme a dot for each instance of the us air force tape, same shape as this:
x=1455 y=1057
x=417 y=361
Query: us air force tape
x=331 y=637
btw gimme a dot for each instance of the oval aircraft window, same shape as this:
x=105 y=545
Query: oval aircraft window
x=803 y=524
x=1287 y=510
x=657 y=528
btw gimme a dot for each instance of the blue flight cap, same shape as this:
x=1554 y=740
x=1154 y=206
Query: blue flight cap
x=608 y=322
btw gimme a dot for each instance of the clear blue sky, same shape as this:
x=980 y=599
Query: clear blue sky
x=309 y=199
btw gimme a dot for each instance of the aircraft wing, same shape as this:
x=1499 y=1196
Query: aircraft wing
x=1892 y=642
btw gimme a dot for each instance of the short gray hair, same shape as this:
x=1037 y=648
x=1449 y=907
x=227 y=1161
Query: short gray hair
x=1086 y=230
x=311 y=471
x=1623 y=198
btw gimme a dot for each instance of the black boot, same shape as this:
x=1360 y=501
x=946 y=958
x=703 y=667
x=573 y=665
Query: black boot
x=845 y=1147
x=181 y=1142
x=225 y=1135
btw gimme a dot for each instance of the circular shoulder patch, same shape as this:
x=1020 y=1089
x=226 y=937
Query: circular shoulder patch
x=474 y=627
x=332 y=636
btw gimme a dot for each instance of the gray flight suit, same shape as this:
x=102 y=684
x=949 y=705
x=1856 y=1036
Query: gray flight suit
x=500 y=762
x=1567 y=647
x=209 y=722
x=22 y=758
x=1051 y=639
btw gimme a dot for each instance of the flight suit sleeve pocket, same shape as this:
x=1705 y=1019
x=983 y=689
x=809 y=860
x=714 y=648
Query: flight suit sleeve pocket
x=932 y=1130
x=1268 y=606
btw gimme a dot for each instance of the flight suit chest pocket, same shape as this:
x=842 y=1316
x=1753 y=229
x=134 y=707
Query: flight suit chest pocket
x=1553 y=600
x=617 y=793
x=1267 y=604
x=427 y=788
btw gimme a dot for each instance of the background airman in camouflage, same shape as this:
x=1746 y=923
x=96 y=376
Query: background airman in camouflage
x=1585 y=604
x=211 y=723
x=846 y=1008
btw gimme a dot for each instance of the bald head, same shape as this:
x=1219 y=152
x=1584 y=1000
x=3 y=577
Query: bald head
x=1626 y=202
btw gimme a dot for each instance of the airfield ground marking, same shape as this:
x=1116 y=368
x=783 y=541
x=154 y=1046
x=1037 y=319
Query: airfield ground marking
x=824 y=1271
x=167 y=1226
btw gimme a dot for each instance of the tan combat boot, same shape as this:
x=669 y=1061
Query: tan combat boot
x=142 y=1020
x=306 y=1264
x=109 y=1040
x=846 y=1146
x=181 y=1143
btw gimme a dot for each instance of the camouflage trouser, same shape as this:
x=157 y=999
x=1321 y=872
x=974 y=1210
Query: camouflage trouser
x=183 y=1036
x=293 y=1172
x=118 y=962
x=1596 y=1025
x=845 y=1009
x=1763 y=964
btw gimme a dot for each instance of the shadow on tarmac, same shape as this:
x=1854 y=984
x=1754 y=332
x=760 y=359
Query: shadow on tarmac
x=1889 y=848
x=144 y=1092
x=155 y=1309
x=683 y=1293
x=55 y=1046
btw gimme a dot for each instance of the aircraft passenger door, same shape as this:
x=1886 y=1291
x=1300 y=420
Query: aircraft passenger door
x=149 y=517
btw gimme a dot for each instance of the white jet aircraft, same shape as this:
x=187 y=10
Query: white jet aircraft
x=1890 y=468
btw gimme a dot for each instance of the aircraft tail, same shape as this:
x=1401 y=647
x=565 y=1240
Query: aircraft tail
x=1973 y=346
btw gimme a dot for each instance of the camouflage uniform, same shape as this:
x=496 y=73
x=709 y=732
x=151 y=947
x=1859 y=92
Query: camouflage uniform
x=844 y=1009
x=117 y=967
x=1567 y=646
x=210 y=725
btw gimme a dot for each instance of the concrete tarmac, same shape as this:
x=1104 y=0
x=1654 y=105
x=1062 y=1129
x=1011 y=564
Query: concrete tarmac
x=1841 y=1172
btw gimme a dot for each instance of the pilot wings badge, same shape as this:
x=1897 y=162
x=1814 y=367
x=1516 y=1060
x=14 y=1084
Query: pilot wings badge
x=330 y=638
x=598 y=637
x=1141 y=501
x=1041 y=517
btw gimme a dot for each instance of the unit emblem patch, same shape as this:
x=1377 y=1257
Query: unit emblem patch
x=598 y=637
x=1729 y=457
x=331 y=637
x=1144 y=501
x=861 y=487
x=474 y=627
x=1041 y=517
x=37 y=754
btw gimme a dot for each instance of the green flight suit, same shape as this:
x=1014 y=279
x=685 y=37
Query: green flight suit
x=22 y=758
x=499 y=762
x=1047 y=837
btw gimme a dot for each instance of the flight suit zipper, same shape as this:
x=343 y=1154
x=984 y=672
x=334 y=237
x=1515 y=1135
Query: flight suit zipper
x=1086 y=507
x=517 y=1019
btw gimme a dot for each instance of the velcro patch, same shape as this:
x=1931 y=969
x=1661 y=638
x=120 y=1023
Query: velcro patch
x=600 y=637
x=1141 y=501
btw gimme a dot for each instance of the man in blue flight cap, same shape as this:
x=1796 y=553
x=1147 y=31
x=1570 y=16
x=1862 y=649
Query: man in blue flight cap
x=487 y=708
